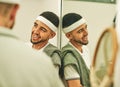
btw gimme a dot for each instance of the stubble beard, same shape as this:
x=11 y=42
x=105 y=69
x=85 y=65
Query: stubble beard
x=41 y=41
x=81 y=42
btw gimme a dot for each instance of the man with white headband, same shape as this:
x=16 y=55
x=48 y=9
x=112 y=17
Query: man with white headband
x=20 y=66
x=76 y=59
x=44 y=28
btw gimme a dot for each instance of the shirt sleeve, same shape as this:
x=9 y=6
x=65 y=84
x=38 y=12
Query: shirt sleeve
x=70 y=73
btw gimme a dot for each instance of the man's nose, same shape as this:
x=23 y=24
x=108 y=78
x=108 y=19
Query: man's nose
x=36 y=30
x=85 y=32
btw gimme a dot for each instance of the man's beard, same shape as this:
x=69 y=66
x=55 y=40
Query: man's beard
x=81 y=42
x=37 y=41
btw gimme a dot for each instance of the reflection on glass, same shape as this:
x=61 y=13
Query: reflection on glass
x=104 y=56
x=104 y=59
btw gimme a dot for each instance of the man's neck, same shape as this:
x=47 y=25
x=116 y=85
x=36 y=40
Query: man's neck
x=39 y=45
x=78 y=46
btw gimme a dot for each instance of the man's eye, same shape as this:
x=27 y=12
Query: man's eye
x=43 y=29
x=80 y=30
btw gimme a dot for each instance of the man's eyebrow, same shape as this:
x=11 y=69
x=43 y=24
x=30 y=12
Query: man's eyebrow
x=35 y=23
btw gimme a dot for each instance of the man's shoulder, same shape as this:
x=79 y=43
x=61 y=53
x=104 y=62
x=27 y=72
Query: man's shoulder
x=51 y=47
x=67 y=47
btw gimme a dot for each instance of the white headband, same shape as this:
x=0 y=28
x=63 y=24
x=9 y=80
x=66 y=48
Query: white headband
x=47 y=22
x=74 y=25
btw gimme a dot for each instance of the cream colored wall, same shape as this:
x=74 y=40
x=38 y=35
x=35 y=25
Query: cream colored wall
x=98 y=16
x=29 y=10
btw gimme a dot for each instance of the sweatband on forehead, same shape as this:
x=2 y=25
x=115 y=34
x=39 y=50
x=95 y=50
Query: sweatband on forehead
x=47 y=22
x=74 y=25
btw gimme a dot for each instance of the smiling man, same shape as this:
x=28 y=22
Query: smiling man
x=76 y=59
x=44 y=29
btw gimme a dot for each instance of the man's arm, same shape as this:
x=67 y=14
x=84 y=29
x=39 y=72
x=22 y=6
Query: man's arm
x=72 y=77
x=74 y=83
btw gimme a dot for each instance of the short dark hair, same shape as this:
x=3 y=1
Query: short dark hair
x=52 y=17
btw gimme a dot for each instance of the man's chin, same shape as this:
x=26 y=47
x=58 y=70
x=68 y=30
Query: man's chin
x=33 y=42
x=37 y=42
x=85 y=43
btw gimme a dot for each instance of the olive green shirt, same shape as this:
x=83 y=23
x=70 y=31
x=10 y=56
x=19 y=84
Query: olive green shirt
x=71 y=57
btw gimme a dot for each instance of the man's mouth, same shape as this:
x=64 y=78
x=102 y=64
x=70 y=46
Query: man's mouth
x=85 y=38
x=35 y=37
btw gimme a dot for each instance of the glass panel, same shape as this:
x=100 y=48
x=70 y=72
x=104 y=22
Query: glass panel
x=104 y=56
x=98 y=17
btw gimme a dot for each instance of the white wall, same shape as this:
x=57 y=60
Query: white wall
x=29 y=10
x=98 y=16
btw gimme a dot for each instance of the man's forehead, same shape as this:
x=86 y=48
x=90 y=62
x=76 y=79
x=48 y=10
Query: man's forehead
x=80 y=27
x=41 y=24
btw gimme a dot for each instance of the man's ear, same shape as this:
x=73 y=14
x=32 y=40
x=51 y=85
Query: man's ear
x=52 y=34
x=68 y=35
x=13 y=12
